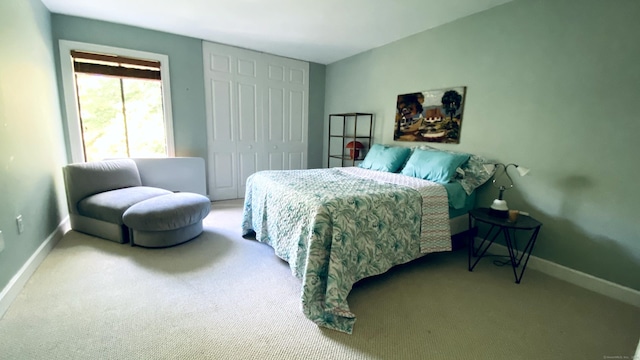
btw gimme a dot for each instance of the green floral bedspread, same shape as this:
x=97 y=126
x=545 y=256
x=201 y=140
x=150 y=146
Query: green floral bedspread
x=337 y=226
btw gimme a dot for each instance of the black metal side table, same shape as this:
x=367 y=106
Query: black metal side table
x=503 y=226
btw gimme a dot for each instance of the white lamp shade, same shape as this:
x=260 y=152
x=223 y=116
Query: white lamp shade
x=522 y=170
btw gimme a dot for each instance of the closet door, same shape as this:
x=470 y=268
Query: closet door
x=257 y=116
x=250 y=125
x=286 y=113
x=221 y=126
x=234 y=118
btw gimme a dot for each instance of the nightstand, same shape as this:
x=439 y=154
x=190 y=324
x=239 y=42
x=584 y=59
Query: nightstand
x=507 y=229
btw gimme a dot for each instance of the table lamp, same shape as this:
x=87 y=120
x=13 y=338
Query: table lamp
x=499 y=206
x=354 y=149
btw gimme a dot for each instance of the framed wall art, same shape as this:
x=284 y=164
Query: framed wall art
x=430 y=116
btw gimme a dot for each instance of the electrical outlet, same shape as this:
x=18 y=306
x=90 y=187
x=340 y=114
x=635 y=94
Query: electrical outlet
x=20 y=224
x=1 y=242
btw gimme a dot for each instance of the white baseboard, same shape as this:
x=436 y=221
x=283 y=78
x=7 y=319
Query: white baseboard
x=15 y=285
x=590 y=282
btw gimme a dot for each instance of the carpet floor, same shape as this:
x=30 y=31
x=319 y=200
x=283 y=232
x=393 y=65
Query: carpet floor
x=221 y=296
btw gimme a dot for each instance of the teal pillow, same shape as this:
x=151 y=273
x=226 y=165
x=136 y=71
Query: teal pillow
x=433 y=165
x=385 y=158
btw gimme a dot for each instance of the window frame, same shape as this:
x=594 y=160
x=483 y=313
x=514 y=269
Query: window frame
x=74 y=131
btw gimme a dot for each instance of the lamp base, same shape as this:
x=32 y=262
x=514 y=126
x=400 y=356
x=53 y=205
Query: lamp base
x=499 y=209
x=499 y=213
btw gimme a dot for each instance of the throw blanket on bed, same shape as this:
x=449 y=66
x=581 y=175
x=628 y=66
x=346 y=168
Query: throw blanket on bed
x=435 y=234
x=335 y=228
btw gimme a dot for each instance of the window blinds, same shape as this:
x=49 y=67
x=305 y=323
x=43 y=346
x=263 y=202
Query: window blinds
x=114 y=65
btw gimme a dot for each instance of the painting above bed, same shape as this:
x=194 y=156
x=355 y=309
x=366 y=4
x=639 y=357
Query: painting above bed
x=430 y=116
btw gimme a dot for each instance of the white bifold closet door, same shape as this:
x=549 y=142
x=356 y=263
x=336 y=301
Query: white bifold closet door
x=257 y=116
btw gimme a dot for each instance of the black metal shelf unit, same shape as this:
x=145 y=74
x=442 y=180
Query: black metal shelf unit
x=349 y=129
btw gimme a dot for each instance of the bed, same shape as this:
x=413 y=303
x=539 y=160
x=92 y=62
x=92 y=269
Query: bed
x=337 y=226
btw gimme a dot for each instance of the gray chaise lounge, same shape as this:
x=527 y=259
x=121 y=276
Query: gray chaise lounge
x=99 y=193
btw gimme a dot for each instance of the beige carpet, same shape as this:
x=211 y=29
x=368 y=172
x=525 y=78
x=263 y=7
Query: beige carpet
x=224 y=297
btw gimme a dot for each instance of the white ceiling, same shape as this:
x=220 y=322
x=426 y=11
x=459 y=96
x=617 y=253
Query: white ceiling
x=321 y=31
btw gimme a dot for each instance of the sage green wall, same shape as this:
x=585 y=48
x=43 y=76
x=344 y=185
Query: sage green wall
x=551 y=85
x=185 y=69
x=32 y=150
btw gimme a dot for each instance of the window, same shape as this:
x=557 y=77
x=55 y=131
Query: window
x=117 y=102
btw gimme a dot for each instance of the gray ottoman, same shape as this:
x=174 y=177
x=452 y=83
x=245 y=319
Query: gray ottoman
x=166 y=220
